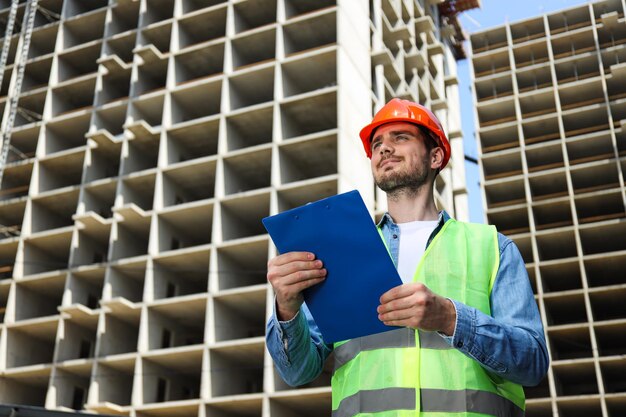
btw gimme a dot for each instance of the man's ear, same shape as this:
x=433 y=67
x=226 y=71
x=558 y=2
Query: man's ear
x=436 y=158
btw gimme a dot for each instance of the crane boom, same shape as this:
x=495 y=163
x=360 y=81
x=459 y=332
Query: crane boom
x=8 y=34
x=14 y=93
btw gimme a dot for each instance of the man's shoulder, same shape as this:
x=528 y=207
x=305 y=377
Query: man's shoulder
x=503 y=241
x=476 y=227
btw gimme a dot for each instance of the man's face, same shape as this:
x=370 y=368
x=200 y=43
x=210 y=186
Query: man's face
x=400 y=158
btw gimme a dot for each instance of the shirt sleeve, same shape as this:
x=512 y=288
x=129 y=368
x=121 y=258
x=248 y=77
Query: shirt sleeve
x=297 y=347
x=511 y=342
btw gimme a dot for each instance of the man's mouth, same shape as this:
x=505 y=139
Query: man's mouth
x=387 y=162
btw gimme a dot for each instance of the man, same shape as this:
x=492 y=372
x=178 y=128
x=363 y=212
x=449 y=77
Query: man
x=471 y=333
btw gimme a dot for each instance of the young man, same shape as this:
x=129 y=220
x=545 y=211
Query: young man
x=471 y=333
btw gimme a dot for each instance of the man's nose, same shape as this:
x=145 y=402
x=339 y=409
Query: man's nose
x=385 y=146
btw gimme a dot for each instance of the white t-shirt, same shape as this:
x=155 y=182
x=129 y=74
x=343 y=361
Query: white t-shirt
x=413 y=239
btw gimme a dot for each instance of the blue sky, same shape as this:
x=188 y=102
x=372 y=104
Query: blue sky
x=492 y=13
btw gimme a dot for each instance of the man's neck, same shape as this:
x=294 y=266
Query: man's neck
x=409 y=207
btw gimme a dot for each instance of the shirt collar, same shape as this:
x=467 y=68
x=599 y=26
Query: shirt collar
x=443 y=217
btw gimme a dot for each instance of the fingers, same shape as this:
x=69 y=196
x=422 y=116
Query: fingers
x=299 y=277
x=299 y=270
x=406 y=308
x=396 y=304
x=406 y=316
x=407 y=305
x=402 y=291
x=288 y=257
x=290 y=274
x=295 y=271
x=303 y=285
x=294 y=267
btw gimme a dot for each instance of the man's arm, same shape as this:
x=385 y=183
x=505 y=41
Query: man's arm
x=293 y=339
x=511 y=342
x=297 y=347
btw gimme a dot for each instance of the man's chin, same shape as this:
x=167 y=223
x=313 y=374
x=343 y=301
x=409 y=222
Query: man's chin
x=395 y=183
x=389 y=184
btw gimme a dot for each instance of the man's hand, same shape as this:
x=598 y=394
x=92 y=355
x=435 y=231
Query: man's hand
x=290 y=274
x=414 y=305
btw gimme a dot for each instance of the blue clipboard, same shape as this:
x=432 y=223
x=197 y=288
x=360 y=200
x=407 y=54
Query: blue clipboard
x=340 y=232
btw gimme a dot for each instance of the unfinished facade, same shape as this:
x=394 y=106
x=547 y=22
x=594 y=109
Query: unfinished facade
x=550 y=97
x=150 y=139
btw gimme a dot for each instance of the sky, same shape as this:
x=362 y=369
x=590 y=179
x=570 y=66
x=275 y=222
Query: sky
x=492 y=13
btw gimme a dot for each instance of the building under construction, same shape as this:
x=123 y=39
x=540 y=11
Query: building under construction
x=550 y=98
x=144 y=142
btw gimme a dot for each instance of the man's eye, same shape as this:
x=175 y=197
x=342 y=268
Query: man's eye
x=375 y=145
x=402 y=137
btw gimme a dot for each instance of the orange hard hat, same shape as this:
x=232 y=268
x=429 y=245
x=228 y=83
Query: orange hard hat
x=398 y=110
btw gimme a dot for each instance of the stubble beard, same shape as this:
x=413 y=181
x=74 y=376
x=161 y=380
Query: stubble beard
x=406 y=182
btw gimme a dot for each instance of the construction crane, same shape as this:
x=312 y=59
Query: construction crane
x=6 y=45
x=20 y=61
x=450 y=11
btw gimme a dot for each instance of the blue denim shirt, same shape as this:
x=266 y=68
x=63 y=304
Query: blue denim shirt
x=509 y=343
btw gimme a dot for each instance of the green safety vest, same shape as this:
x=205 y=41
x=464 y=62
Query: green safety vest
x=408 y=372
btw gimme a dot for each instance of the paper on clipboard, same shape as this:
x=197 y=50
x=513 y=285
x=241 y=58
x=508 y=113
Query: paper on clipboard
x=340 y=232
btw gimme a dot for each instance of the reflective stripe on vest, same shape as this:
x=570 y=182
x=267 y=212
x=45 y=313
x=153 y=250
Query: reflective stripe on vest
x=412 y=373
x=432 y=401
x=400 y=338
x=375 y=401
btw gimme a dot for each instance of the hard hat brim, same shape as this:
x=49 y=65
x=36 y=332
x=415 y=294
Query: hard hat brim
x=366 y=136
